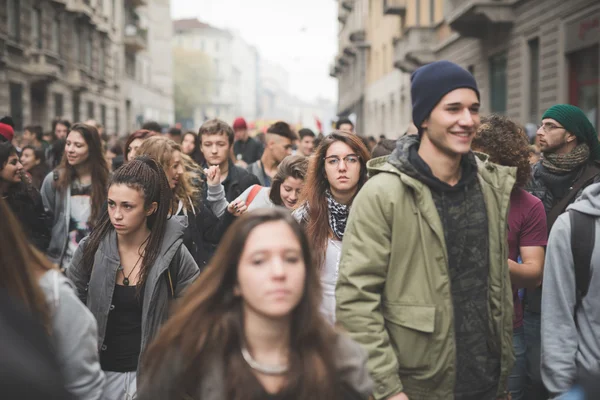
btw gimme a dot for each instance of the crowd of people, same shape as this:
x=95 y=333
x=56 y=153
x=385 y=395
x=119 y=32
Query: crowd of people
x=450 y=263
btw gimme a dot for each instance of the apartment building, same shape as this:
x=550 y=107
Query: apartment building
x=57 y=59
x=350 y=64
x=525 y=54
x=230 y=83
x=146 y=62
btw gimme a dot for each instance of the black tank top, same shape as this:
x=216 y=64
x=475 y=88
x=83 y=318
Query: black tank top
x=123 y=340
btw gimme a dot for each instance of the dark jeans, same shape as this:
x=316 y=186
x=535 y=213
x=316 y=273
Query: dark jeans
x=535 y=388
x=517 y=380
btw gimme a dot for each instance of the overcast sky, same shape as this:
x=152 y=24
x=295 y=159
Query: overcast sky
x=300 y=35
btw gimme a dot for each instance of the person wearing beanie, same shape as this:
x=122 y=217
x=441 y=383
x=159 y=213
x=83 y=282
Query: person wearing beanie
x=569 y=163
x=246 y=149
x=423 y=280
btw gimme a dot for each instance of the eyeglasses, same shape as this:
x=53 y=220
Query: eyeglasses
x=549 y=127
x=334 y=161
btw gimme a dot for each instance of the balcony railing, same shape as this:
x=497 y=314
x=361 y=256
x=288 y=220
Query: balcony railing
x=135 y=38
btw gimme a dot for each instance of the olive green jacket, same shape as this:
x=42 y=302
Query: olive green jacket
x=393 y=292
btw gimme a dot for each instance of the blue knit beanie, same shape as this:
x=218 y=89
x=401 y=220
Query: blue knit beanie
x=431 y=82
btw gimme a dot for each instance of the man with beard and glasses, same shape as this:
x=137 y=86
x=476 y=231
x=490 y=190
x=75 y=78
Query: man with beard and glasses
x=424 y=280
x=570 y=154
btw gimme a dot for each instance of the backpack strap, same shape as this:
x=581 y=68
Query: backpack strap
x=583 y=237
x=253 y=192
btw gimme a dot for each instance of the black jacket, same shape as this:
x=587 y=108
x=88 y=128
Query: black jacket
x=26 y=203
x=237 y=181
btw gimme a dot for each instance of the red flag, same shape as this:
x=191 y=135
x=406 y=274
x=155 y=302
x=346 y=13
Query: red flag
x=319 y=124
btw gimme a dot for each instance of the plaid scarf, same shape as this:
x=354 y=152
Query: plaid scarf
x=338 y=215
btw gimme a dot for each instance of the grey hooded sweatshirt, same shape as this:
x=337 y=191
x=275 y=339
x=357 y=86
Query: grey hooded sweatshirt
x=570 y=343
x=74 y=336
x=96 y=289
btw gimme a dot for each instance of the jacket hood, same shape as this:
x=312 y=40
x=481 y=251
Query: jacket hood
x=589 y=202
x=174 y=230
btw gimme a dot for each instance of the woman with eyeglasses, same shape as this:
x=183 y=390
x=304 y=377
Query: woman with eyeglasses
x=249 y=328
x=336 y=172
x=285 y=188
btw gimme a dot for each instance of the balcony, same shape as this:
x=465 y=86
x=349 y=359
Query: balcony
x=414 y=49
x=347 y=5
x=474 y=18
x=136 y=3
x=77 y=79
x=135 y=38
x=44 y=67
x=84 y=9
x=394 y=7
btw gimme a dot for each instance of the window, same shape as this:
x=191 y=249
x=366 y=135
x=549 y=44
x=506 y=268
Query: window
x=103 y=115
x=77 y=44
x=584 y=84
x=418 y=13
x=130 y=65
x=101 y=58
x=88 y=48
x=58 y=105
x=76 y=110
x=13 y=10
x=16 y=104
x=534 y=79
x=90 y=109
x=117 y=127
x=498 y=90
x=471 y=69
x=55 y=41
x=431 y=12
x=36 y=27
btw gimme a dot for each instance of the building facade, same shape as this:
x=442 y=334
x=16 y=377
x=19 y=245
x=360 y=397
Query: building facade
x=230 y=82
x=146 y=63
x=526 y=55
x=57 y=60
x=350 y=64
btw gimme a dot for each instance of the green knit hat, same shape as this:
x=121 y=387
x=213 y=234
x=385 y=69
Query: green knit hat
x=574 y=120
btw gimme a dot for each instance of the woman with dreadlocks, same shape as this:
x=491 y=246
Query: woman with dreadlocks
x=130 y=269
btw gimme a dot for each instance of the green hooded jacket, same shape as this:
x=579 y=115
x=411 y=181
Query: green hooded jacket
x=393 y=292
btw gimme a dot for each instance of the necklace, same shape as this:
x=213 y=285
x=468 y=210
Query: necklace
x=262 y=368
x=126 y=278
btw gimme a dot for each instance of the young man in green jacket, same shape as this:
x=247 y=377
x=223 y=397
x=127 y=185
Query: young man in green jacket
x=424 y=281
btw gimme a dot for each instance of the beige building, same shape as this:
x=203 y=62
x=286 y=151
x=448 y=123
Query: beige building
x=350 y=64
x=69 y=59
x=388 y=108
x=525 y=54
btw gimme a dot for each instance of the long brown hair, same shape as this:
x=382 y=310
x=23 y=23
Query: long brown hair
x=139 y=134
x=20 y=266
x=313 y=194
x=291 y=166
x=98 y=167
x=161 y=149
x=145 y=175
x=208 y=325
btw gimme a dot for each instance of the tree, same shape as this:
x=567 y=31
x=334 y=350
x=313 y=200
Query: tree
x=193 y=79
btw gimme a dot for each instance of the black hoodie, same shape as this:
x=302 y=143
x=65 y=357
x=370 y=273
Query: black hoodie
x=463 y=214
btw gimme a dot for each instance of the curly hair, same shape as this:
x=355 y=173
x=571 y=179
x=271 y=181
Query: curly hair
x=506 y=143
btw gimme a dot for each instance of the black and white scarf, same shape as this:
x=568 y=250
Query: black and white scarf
x=338 y=215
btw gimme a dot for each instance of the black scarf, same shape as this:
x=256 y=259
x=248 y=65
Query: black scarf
x=338 y=215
